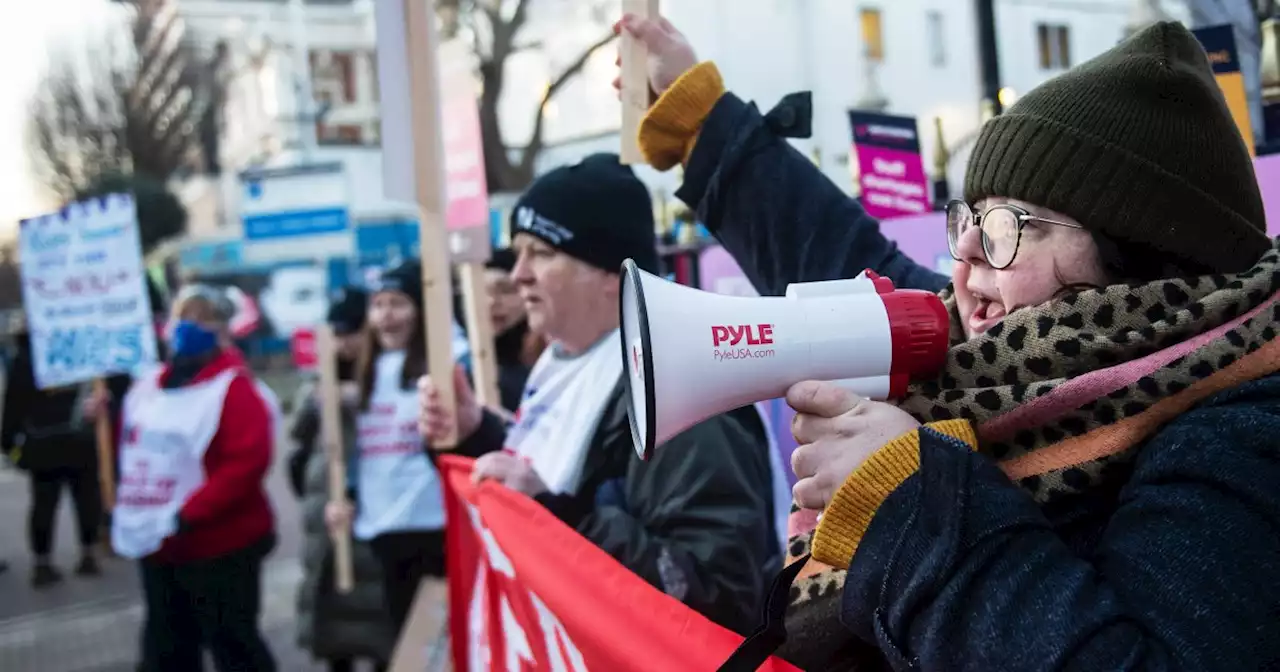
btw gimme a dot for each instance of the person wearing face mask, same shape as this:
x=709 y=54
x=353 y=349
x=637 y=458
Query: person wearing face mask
x=696 y=521
x=396 y=503
x=516 y=346
x=196 y=447
x=338 y=629
x=1090 y=483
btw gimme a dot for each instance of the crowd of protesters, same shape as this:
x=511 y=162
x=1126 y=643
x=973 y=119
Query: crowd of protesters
x=1089 y=483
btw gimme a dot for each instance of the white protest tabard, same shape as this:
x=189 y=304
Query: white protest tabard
x=85 y=292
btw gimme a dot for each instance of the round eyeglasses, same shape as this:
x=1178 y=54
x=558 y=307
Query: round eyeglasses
x=1001 y=227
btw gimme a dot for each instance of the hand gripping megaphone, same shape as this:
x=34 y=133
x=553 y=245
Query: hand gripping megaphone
x=690 y=355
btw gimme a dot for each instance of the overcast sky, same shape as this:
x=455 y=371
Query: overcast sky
x=24 y=40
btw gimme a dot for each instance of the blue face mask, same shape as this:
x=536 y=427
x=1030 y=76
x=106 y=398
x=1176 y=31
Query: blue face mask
x=190 y=339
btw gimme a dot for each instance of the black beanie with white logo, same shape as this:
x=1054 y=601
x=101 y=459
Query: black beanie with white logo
x=596 y=211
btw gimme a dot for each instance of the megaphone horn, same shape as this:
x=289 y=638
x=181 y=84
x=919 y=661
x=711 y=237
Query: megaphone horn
x=690 y=355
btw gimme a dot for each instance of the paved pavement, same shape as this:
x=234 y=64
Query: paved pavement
x=92 y=625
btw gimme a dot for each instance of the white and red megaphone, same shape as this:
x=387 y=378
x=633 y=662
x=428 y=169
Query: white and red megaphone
x=691 y=354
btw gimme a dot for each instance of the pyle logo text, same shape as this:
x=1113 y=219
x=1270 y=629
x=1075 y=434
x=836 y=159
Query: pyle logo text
x=755 y=334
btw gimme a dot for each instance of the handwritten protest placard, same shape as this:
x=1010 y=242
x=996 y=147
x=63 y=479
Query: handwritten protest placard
x=85 y=292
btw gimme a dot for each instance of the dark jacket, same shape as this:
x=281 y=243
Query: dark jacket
x=331 y=625
x=696 y=521
x=509 y=350
x=45 y=428
x=777 y=214
x=1179 y=569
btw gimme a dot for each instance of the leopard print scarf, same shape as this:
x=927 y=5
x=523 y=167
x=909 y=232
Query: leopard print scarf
x=995 y=381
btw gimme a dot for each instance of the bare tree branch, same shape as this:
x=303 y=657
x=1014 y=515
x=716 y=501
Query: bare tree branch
x=136 y=108
x=495 y=27
x=570 y=71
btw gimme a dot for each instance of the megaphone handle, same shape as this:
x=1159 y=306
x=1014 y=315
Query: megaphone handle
x=873 y=387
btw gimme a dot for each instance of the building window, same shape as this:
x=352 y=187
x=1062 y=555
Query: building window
x=333 y=77
x=872 y=37
x=937 y=41
x=1054 y=42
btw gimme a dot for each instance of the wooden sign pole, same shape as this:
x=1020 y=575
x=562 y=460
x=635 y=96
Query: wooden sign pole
x=429 y=181
x=104 y=436
x=484 y=361
x=335 y=455
x=635 y=81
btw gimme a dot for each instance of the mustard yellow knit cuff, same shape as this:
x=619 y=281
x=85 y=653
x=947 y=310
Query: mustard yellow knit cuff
x=670 y=129
x=855 y=503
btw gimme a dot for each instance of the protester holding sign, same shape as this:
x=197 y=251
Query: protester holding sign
x=697 y=520
x=196 y=448
x=336 y=628
x=49 y=437
x=396 y=501
x=1094 y=482
x=347 y=312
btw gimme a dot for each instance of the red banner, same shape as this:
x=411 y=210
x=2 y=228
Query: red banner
x=528 y=593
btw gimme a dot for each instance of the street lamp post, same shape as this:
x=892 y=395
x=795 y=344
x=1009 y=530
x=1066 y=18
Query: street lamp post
x=988 y=52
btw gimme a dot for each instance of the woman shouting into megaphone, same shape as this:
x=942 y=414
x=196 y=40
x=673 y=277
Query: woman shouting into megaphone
x=1090 y=482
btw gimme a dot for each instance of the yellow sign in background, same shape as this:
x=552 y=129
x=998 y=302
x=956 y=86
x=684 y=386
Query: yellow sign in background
x=1219 y=43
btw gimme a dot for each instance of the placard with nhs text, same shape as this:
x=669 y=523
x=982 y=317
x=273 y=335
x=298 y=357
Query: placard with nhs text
x=84 y=292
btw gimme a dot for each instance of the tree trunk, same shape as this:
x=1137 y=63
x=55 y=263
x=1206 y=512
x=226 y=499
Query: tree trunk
x=502 y=171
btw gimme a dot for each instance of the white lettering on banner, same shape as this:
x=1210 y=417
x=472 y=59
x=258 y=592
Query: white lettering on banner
x=517 y=643
x=554 y=635
x=497 y=558
x=518 y=654
x=884 y=183
x=463 y=189
x=891 y=132
x=461 y=161
x=896 y=202
x=478 y=653
x=889 y=168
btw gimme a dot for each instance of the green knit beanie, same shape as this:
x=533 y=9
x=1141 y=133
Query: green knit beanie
x=1137 y=145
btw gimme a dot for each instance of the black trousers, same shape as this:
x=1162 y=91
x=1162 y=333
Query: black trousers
x=406 y=558
x=211 y=604
x=46 y=492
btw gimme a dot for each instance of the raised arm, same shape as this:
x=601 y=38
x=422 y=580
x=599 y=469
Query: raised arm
x=772 y=209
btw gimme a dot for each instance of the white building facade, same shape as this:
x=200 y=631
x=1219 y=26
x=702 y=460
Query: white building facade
x=908 y=57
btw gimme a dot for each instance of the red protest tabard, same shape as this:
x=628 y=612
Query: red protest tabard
x=529 y=593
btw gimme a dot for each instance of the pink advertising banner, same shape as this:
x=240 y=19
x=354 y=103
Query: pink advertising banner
x=467 y=209
x=464 y=164
x=890 y=169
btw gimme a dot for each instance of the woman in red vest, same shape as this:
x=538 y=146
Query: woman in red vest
x=196 y=444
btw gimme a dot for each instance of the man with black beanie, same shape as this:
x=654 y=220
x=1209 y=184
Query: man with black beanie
x=696 y=521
